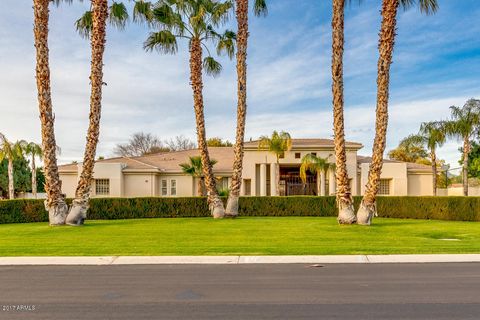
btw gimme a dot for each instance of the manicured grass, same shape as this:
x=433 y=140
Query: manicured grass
x=242 y=236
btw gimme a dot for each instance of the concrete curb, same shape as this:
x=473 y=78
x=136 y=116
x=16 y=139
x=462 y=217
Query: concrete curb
x=142 y=260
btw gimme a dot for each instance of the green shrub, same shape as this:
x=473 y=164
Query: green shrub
x=22 y=210
x=441 y=208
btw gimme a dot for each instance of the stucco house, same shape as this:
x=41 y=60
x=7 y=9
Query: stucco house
x=160 y=175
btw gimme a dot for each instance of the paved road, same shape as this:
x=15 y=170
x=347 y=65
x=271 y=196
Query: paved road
x=365 y=291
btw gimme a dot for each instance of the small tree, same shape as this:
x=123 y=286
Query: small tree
x=431 y=135
x=195 y=169
x=140 y=144
x=10 y=151
x=180 y=143
x=21 y=176
x=33 y=150
x=218 y=142
x=277 y=144
x=465 y=125
x=410 y=150
x=473 y=160
x=316 y=165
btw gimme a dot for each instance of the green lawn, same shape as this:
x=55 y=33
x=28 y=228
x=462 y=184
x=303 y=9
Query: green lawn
x=242 y=236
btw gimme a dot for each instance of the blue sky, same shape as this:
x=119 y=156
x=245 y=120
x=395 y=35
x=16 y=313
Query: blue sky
x=436 y=64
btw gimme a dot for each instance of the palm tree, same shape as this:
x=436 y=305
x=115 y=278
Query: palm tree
x=277 y=144
x=386 y=43
x=317 y=165
x=10 y=151
x=196 y=21
x=260 y=8
x=432 y=135
x=33 y=150
x=465 y=125
x=195 y=169
x=346 y=213
x=55 y=202
x=93 y=23
x=410 y=150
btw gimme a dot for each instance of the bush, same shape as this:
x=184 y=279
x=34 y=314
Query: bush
x=22 y=210
x=441 y=208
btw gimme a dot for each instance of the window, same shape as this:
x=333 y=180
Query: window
x=248 y=186
x=164 y=188
x=384 y=187
x=173 y=187
x=102 y=187
x=222 y=183
x=282 y=155
x=314 y=154
x=297 y=155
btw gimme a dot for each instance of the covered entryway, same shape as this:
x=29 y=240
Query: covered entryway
x=292 y=185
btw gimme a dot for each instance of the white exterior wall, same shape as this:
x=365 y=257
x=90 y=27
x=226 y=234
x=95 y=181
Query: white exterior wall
x=69 y=183
x=111 y=171
x=185 y=185
x=139 y=185
x=420 y=184
x=397 y=172
x=352 y=171
x=458 y=191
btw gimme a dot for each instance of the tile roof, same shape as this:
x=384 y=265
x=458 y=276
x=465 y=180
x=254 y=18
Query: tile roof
x=299 y=143
x=167 y=161
x=170 y=161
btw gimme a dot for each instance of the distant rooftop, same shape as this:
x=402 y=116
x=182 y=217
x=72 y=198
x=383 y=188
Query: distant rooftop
x=310 y=143
x=167 y=161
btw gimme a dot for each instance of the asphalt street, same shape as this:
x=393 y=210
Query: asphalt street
x=266 y=291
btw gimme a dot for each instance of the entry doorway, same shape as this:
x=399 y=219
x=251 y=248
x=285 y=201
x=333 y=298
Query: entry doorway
x=292 y=185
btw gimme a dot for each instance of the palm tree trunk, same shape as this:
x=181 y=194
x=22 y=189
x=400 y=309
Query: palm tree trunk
x=433 y=158
x=346 y=214
x=200 y=186
x=214 y=201
x=466 y=152
x=55 y=202
x=34 y=177
x=277 y=176
x=242 y=38
x=11 y=188
x=386 y=43
x=78 y=211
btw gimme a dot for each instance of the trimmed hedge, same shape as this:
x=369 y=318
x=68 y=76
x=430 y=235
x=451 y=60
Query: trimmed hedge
x=441 y=208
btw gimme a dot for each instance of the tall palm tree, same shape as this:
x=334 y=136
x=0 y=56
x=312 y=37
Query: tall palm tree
x=195 y=169
x=93 y=23
x=55 y=202
x=277 y=144
x=346 y=213
x=465 y=125
x=432 y=135
x=10 y=151
x=196 y=21
x=317 y=165
x=386 y=44
x=260 y=8
x=33 y=150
